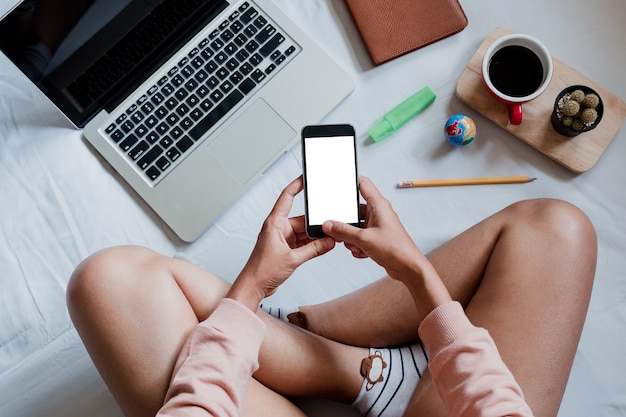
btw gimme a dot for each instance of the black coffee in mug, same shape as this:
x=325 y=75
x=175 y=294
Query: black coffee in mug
x=516 y=71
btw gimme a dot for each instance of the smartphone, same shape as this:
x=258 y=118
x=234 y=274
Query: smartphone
x=331 y=182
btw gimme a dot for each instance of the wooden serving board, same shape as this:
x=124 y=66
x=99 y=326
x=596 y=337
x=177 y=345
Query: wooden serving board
x=578 y=153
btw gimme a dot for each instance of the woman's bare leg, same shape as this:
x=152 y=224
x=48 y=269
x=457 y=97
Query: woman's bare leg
x=134 y=308
x=525 y=274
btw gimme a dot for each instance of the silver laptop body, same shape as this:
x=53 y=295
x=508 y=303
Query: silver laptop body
x=194 y=134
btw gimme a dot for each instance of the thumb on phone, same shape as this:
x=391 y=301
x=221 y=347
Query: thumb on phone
x=339 y=231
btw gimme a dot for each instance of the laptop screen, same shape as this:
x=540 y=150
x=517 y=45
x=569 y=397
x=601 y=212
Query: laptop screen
x=88 y=55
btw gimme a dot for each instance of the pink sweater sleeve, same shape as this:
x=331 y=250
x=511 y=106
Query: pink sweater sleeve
x=213 y=369
x=470 y=376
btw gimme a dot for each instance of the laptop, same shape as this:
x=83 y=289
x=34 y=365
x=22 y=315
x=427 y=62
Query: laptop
x=190 y=101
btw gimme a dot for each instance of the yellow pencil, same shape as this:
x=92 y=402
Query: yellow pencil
x=465 y=181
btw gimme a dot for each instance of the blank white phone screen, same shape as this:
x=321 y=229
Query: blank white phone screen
x=331 y=179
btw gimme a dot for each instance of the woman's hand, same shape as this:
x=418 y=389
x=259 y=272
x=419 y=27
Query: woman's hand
x=382 y=238
x=386 y=241
x=281 y=247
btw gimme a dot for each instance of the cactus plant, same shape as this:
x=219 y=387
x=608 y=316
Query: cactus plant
x=577 y=109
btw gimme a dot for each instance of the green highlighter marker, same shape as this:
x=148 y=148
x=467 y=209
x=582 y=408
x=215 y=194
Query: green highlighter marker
x=402 y=113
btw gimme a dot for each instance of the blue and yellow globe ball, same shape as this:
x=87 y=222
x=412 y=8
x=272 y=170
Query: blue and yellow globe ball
x=460 y=130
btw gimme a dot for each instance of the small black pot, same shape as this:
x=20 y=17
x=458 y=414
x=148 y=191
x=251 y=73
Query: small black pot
x=566 y=130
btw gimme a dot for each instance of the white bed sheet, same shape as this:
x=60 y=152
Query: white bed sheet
x=59 y=202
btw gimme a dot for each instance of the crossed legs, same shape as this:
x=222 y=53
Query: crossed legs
x=134 y=308
x=524 y=273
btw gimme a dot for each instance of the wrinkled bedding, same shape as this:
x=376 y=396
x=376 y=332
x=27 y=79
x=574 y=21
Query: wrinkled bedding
x=59 y=201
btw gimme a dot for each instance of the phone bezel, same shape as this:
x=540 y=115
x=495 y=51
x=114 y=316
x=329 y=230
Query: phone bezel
x=313 y=131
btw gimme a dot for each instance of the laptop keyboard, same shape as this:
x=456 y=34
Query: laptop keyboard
x=214 y=78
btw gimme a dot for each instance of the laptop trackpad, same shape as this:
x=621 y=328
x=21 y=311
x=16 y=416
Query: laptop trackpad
x=241 y=150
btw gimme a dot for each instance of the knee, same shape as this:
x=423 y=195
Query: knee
x=561 y=223
x=103 y=274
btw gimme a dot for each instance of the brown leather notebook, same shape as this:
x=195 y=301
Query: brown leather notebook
x=390 y=29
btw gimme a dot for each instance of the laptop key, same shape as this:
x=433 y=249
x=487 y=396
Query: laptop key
x=214 y=34
x=157 y=98
x=252 y=46
x=149 y=157
x=236 y=77
x=250 y=30
x=171 y=103
x=246 y=68
x=163 y=163
x=260 y=22
x=206 y=104
x=272 y=44
x=127 y=143
x=152 y=137
x=265 y=34
x=211 y=66
x=176 y=132
x=141 y=130
x=221 y=57
x=192 y=100
x=172 y=119
x=151 y=121
x=216 y=96
x=184 y=144
x=247 y=85
x=227 y=35
x=201 y=76
x=138 y=150
x=166 y=142
x=173 y=154
x=236 y=26
x=226 y=86
x=137 y=117
x=212 y=82
x=270 y=68
x=182 y=109
x=127 y=126
x=257 y=75
x=196 y=114
x=153 y=173
x=186 y=123
x=177 y=80
x=232 y=64
x=162 y=128
x=249 y=15
x=231 y=48
x=117 y=135
x=187 y=71
x=147 y=108
x=255 y=60
x=202 y=91
x=167 y=89
x=161 y=112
